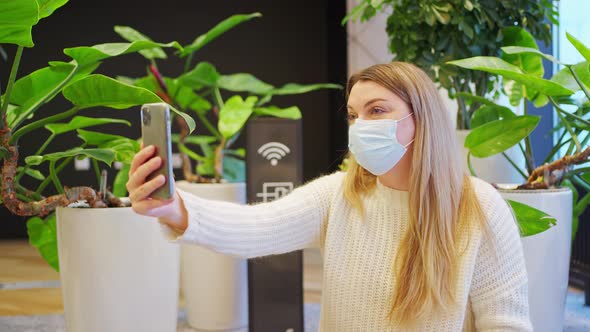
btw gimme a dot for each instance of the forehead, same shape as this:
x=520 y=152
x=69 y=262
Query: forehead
x=364 y=91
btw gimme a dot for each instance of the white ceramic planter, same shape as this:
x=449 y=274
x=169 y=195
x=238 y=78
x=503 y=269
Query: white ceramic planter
x=214 y=286
x=118 y=273
x=547 y=256
x=494 y=169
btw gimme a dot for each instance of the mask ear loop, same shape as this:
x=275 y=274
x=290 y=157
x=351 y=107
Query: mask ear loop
x=407 y=116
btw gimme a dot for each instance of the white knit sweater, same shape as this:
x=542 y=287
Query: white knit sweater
x=358 y=254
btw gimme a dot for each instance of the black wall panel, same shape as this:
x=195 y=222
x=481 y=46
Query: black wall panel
x=294 y=41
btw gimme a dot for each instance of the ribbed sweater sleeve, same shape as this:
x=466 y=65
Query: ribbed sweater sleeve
x=499 y=290
x=290 y=223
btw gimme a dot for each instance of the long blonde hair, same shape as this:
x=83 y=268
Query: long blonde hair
x=442 y=200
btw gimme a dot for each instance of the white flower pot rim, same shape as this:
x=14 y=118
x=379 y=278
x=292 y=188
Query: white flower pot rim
x=535 y=191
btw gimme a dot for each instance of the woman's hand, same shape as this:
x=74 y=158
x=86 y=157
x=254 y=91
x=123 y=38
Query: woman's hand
x=172 y=211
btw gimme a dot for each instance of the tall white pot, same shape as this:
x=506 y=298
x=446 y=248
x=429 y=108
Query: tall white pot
x=214 y=286
x=547 y=256
x=494 y=169
x=118 y=273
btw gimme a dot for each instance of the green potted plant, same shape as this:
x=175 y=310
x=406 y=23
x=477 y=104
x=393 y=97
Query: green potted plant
x=221 y=104
x=429 y=33
x=103 y=274
x=548 y=187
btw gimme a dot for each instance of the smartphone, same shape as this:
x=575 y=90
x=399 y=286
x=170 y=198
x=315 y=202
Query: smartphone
x=155 y=130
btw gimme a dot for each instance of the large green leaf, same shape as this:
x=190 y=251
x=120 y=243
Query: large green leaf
x=123 y=147
x=565 y=77
x=530 y=220
x=294 y=88
x=186 y=97
x=95 y=138
x=79 y=122
x=497 y=136
x=216 y=31
x=488 y=113
x=522 y=50
x=47 y=7
x=529 y=63
x=234 y=114
x=195 y=139
x=498 y=66
x=583 y=49
x=17 y=18
x=119 y=185
x=244 y=82
x=104 y=155
x=515 y=91
x=131 y=35
x=292 y=112
x=39 y=87
x=43 y=236
x=204 y=74
x=86 y=55
x=35 y=174
x=98 y=90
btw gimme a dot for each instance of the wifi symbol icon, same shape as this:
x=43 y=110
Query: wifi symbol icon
x=274 y=151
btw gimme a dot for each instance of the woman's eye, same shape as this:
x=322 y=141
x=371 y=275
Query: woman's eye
x=350 y=117
x=377 y=110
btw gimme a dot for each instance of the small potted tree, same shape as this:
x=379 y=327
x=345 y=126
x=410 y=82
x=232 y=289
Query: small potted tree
x=117 y=273
x=430 y=33
x=214 y=285
x=548 y=187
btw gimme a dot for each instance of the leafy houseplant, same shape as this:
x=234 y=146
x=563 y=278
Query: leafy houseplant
x=222 y=105
x=547 y=256
x=498 y=128
x=429 y=33
x=198 y=90
x=74 y=81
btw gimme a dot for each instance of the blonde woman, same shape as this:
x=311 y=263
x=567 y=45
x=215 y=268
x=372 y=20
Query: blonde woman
x=409 y=242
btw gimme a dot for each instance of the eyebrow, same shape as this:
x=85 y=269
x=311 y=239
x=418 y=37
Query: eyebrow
x=368 y=103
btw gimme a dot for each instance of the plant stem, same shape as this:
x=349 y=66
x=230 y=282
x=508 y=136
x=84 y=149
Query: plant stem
x=96 y=169
x=53 y=175
x=562 y=111
x=515 y=166
x=208 y=125
x=23 y=198
x=582 y=86
x=471 y=169
x=581 y=182
x=191 y=153
x=41 y=149
x=570 y=131
x=24 y=191
x=528 y=146
x=10 y=84
x=187 y=64
x=462 y=107
x=218 y=98
x=581 y=205
x=40 y=123
x=59 y=168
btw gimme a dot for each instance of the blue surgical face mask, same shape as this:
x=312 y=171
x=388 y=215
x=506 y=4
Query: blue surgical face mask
x=374 y=144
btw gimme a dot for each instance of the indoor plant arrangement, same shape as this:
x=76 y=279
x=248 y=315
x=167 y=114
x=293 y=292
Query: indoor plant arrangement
x=498 y=128
x=430 y=33
x=99 y=278
x=220 y=170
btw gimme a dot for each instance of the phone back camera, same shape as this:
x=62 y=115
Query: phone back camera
x=146 y=117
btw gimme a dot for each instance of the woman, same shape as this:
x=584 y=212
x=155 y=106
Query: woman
x=409 y=241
